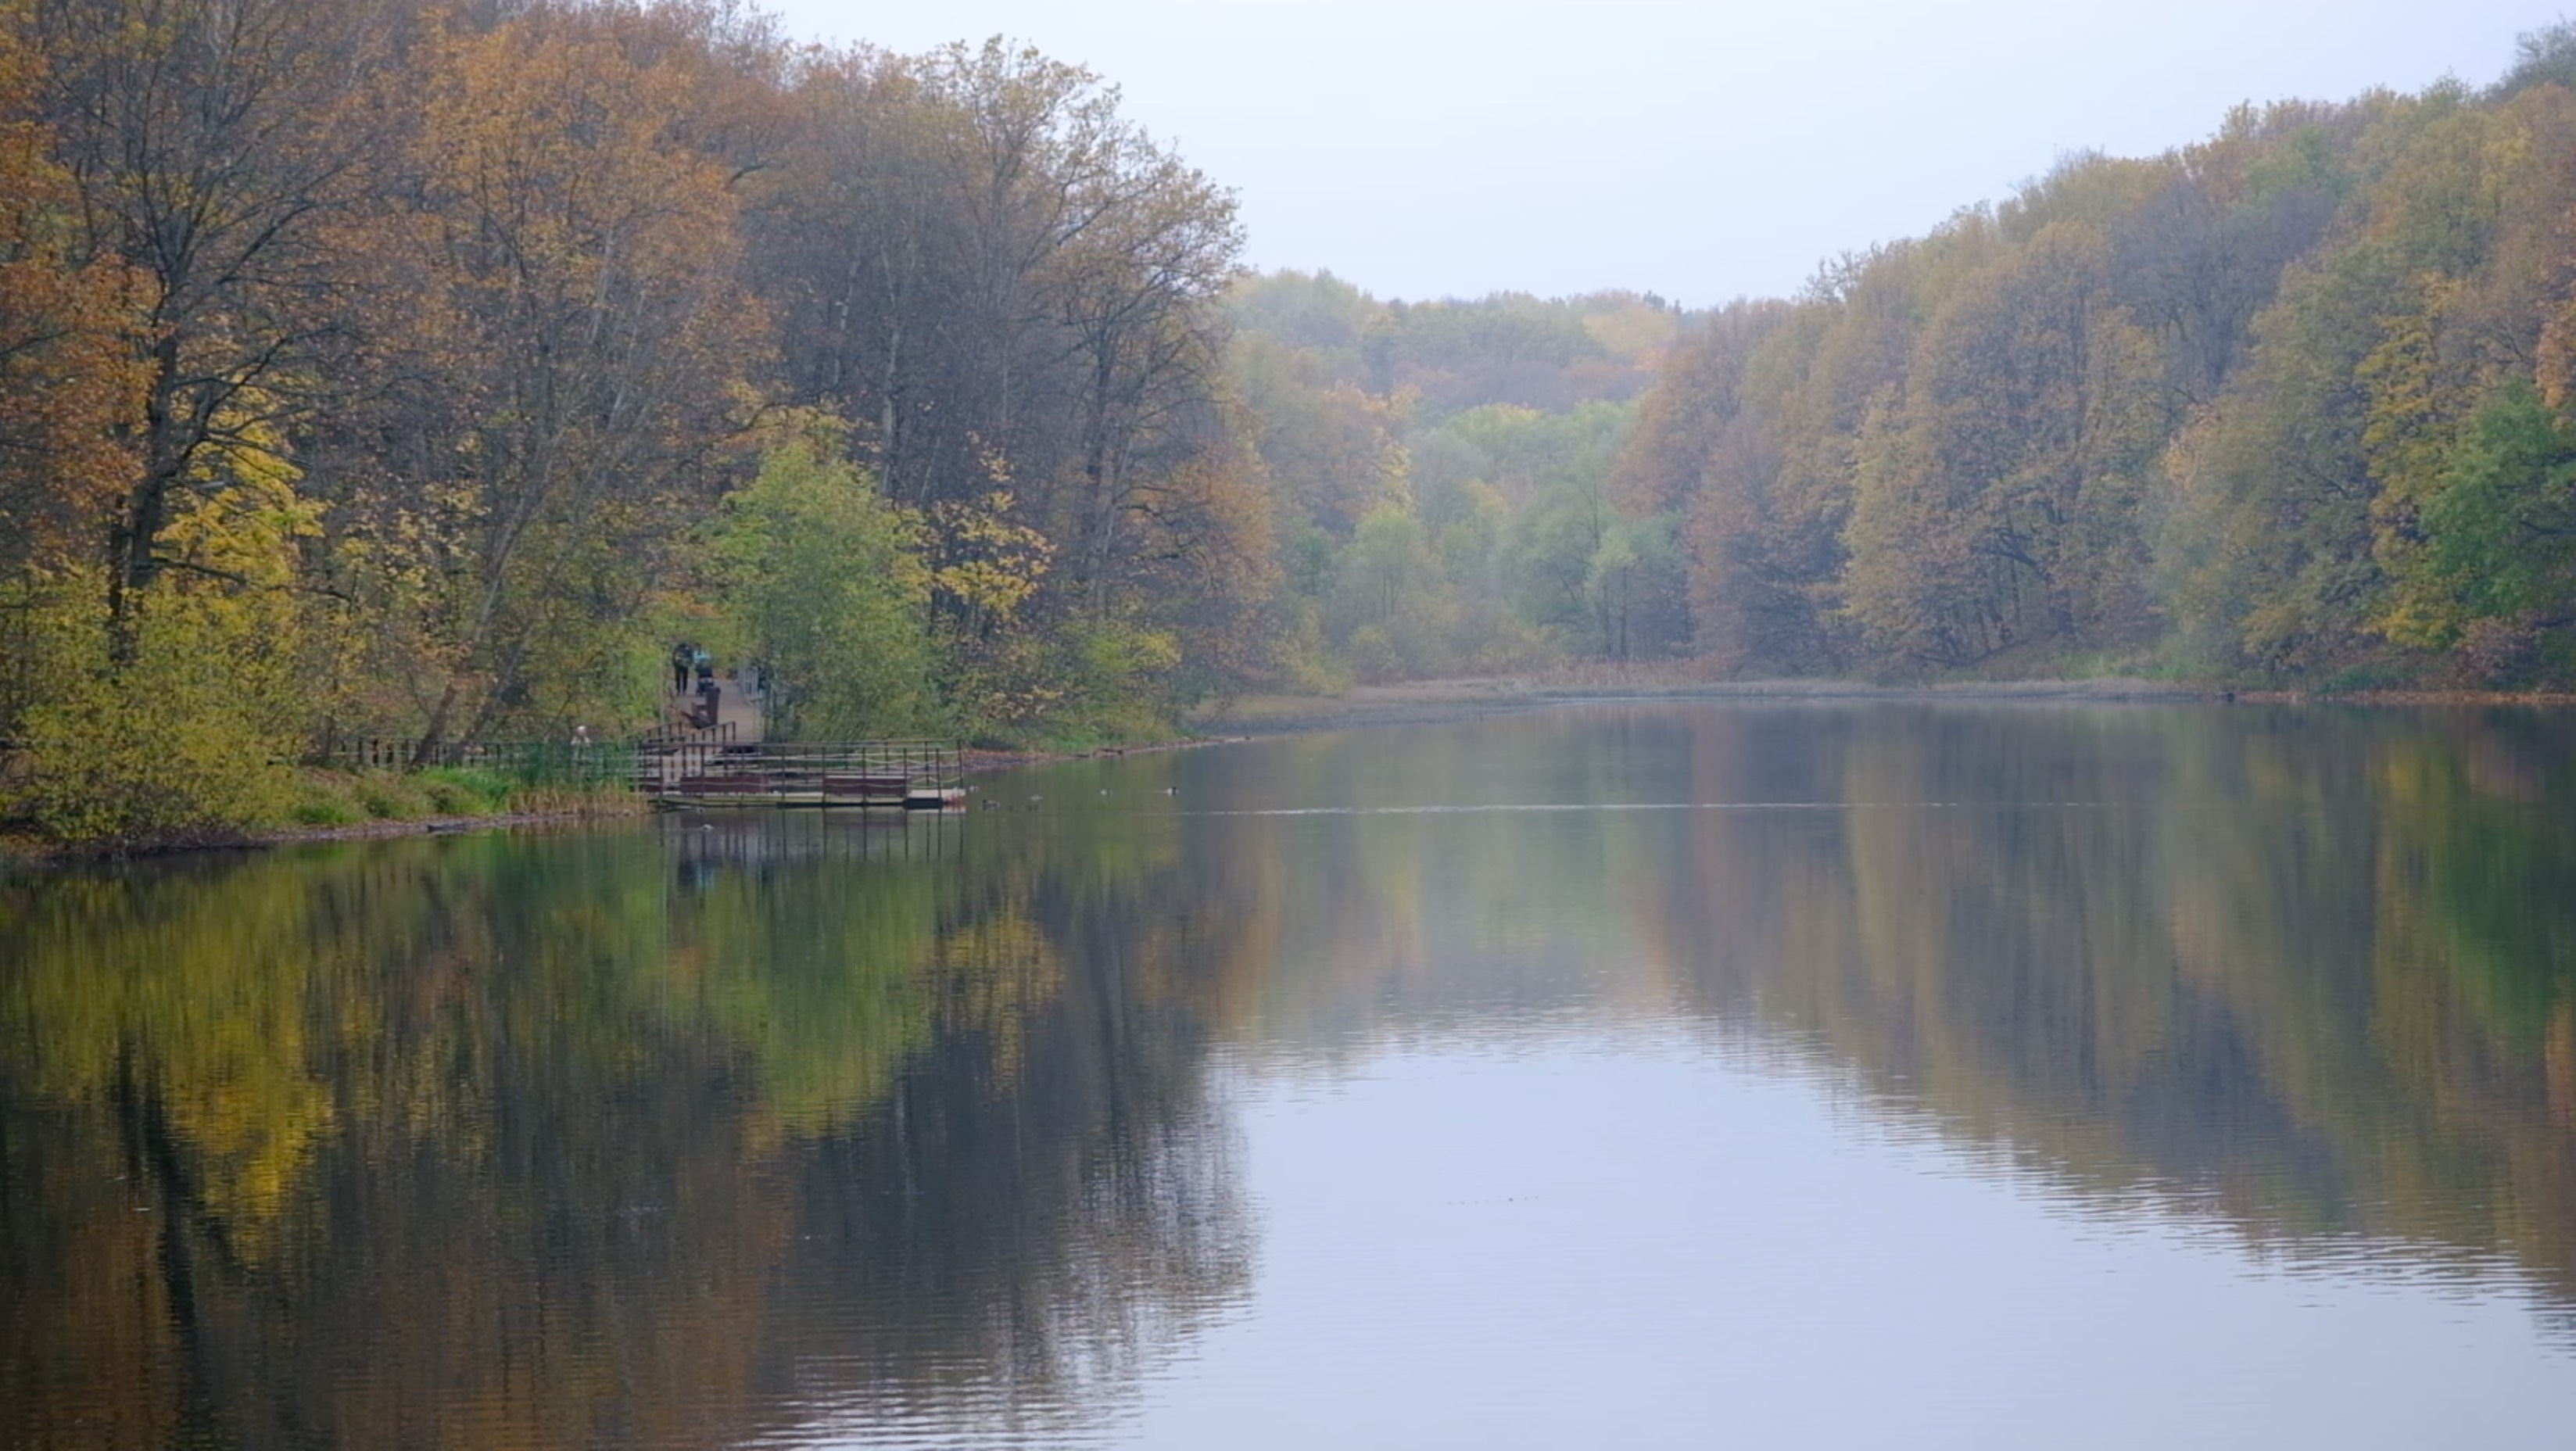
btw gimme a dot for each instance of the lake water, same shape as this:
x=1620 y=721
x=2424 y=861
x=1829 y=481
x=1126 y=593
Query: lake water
x=1607 y=1075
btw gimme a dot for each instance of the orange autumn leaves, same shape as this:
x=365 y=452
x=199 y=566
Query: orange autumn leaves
x=412 y=355
x=68 y=368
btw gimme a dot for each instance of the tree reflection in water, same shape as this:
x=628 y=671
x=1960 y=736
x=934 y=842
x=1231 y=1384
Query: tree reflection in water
x=605 y=1138
x=682 y=1136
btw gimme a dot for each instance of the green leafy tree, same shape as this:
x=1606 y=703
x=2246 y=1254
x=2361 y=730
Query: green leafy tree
x=823 y=582
x=2493 y=559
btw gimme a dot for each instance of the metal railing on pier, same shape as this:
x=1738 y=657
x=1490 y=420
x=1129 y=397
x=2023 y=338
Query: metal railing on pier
x=567 y=762
x=916 y=774
x=701 y=766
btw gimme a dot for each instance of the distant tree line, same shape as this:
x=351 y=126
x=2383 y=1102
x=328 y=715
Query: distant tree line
x=2288 y=405
x=1441 y=479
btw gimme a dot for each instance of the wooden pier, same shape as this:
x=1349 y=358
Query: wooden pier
x=900 y=775
x=677 y=766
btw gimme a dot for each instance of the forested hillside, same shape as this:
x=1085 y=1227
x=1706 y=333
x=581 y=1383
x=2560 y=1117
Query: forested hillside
x=2289 y=405
x=383 y=368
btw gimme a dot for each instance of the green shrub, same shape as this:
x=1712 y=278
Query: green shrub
x=604 y=799
x=1373 y=656
x=321 y=798
x=170 y=749
x=464 y=790
x=391 y=796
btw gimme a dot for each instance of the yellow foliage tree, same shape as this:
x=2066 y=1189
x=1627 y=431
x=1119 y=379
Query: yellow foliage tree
x=188 y=739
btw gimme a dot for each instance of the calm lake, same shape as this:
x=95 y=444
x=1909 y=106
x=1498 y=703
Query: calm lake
x=1619 y=1075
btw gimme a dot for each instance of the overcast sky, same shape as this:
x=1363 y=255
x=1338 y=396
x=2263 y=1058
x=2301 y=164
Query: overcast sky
x=1426 y=148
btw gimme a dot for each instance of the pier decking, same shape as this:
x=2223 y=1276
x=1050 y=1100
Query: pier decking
x=907 y=775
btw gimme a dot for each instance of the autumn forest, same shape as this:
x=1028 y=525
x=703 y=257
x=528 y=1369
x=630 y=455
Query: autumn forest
x=388 y=369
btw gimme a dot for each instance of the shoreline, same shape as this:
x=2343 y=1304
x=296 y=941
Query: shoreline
x=1428 y=702
x=1433 y=702
x=22 y=852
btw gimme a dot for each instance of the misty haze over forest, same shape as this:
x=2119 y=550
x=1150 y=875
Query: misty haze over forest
x=1437 y=148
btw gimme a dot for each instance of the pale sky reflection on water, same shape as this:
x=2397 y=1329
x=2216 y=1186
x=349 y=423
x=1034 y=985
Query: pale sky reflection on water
x=1594 y=1239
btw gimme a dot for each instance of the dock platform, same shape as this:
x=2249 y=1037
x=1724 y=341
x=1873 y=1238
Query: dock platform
x=890 y=775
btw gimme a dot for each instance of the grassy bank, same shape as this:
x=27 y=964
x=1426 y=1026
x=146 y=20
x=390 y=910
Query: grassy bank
x=331 y=803
x=322 y=804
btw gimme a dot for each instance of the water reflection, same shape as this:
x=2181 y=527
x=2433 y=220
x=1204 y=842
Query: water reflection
x=2319 y=968
x=976 y=1131
x=615 y=1138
